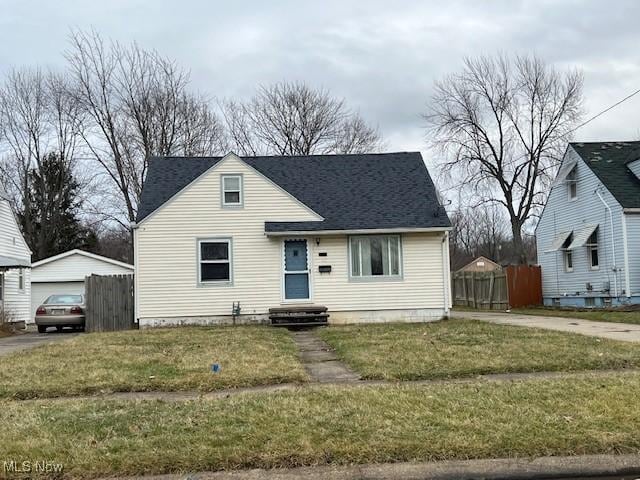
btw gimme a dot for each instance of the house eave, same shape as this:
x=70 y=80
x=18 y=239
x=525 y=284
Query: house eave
x=316 y=233
x=631 y=210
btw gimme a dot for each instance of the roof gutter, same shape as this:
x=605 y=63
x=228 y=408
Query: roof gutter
x=302 y=233
x=631 y=210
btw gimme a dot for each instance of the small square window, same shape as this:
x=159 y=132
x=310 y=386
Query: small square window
x=232 y=190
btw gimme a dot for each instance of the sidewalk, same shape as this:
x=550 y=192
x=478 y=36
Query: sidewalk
x=615 y=331
x=618 y=466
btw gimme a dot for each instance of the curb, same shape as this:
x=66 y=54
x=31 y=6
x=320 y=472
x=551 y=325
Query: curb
x=488 y=469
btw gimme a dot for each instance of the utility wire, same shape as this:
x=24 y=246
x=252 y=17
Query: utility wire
x=599 y=114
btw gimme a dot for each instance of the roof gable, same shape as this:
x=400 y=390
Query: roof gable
x=362 y=191
x=610 y=161
x=82 y=253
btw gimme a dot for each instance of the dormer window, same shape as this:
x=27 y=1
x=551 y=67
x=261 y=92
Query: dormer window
x=572 y=184
x=232 y=191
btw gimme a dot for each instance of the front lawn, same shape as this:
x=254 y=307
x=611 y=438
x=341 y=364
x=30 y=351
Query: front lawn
x=459 y=348
x=597 y=315
x=160 y=359
x=328 y=425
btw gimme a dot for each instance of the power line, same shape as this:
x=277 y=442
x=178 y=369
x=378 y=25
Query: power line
x=599 y=114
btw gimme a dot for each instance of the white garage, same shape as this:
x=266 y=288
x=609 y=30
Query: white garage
x=65 y=273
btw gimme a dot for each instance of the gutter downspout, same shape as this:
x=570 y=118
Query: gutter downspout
x=613 y=243
x=446 y=274
x=625 y=246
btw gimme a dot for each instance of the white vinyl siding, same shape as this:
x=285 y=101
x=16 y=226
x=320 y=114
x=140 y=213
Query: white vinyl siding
x=633 y=240
x=16 y=301
x=166 y=289
x=75 y=268
x=562 y=215
x=169 y=288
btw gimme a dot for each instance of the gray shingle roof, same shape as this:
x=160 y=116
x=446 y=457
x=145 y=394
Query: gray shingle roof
x=609 y=160
x=364 y=191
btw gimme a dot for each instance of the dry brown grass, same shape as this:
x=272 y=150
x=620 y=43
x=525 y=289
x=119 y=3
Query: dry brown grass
x=328 y=425
x=160 y=359
x=460 y=348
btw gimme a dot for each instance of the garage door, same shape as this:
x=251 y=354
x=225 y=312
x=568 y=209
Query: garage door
x=40 y=292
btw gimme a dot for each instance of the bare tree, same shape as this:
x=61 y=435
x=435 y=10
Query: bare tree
x=138 y=105
x=501 y=124
x=294 y=119
x=37 y=118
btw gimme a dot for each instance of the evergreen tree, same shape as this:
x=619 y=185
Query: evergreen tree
x=53 y=210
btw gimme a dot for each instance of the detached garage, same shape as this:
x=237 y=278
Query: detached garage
x=65 y=273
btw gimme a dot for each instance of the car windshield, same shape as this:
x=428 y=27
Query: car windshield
x=63 y=299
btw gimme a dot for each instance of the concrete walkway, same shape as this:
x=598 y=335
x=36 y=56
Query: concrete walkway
x=24 y=341
x=615 y=331
x=320 y=360
x=586 y=466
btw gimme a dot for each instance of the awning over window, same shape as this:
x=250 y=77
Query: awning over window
x=558 y=241
x=581 y=236
x=7 y=263
x=564 y=171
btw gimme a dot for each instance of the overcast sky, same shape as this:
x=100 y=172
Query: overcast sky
x=382 y=56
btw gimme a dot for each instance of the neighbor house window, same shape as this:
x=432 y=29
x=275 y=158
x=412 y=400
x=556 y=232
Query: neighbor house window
x=1 y=288
x=375 y=256
x=568 y=254
x=232 y=190
x=214 y=261
x=592 y=250
x=572 y=184
x=21 y=279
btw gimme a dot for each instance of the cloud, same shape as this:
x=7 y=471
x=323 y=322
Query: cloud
x=383 y=57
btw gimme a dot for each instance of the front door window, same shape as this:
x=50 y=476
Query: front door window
x=296 y=270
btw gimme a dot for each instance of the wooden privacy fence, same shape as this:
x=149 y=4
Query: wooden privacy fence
x=515 y=286
x=109 y=303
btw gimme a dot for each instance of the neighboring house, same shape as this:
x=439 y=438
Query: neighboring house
x=65 y=273
x=589 y=234
x=481 y=264
x=363 y=235
x=15 y=260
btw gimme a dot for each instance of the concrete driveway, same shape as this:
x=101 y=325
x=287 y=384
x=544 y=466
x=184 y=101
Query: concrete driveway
x=25 y=341
x=616 y=331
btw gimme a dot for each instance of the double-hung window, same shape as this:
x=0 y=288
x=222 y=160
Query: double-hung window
x=232 y=190
x=214 y=261
x=375 y=256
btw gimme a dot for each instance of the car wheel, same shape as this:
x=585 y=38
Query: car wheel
x=42 y=329
x=59 y=328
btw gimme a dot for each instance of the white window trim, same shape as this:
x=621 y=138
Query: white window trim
x=240 y=190
x=565 y=256
x=229 y=260
x=376 y=278
x=21 y=280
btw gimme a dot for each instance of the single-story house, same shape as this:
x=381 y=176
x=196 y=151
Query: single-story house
x=481 y=264
x=15 y=263
x=363 y=235
x=589 y=231
x=65 y=273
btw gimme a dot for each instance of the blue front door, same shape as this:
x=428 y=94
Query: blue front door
x=296 y=270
